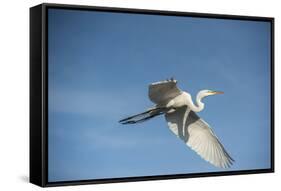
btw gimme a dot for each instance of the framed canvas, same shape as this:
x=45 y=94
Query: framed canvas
x=130 y=95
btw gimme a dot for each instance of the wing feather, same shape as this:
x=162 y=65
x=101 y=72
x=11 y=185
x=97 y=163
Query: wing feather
x=163 y=91
x=199 y=137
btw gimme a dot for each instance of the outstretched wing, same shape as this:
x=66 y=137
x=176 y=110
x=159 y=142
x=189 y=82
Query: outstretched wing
x=198 y=135
x=163 y=91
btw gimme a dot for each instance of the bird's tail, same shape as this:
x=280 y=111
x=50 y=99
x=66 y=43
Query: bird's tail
x=141 y=117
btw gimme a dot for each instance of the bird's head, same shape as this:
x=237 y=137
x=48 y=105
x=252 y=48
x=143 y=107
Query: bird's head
x=205 y=93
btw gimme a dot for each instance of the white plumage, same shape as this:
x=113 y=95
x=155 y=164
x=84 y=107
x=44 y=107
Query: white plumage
x=180 y=114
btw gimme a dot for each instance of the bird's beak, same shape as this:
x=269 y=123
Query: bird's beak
x=217 y=92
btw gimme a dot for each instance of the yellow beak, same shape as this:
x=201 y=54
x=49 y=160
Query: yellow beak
x=217 y=92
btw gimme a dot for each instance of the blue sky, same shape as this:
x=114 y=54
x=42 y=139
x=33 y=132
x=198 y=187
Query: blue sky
x=100 y=66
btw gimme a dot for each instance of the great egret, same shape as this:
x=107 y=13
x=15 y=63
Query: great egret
x=180 y=113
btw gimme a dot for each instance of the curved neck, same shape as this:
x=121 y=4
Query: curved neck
x=199 y=105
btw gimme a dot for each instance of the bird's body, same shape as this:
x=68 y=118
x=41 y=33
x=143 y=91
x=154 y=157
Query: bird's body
x=180 y=113
x=179 y=101
x=185 y=99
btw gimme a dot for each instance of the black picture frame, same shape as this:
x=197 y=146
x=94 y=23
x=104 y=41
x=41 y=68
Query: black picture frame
x=39 y=94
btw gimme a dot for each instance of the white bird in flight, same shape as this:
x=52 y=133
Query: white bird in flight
x=180 y=113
